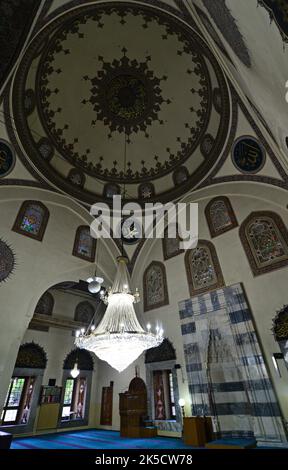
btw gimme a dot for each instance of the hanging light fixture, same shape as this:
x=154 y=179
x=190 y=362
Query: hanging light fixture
x=75 y=371
x=119 y=338
x=94 y=284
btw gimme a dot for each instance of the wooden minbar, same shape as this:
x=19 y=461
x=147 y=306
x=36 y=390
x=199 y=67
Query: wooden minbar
x=133 y=411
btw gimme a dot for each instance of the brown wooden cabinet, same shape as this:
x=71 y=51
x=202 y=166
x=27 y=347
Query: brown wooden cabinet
x=197 y=430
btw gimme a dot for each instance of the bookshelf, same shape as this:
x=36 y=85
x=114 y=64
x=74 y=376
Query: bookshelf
x=50 y=394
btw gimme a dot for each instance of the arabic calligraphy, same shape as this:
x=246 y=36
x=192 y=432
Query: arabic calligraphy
x=248 y=155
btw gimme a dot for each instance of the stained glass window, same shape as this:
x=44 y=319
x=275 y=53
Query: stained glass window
x=84 y=245
x=146 y=190
x=180 y=175
x=111 y=190
x=155 y=286
x=16 y=409
x=220 y=216
x=74 y=399
x=171 y=246
x=203 y=269
x=265 y=240
x=32 y=220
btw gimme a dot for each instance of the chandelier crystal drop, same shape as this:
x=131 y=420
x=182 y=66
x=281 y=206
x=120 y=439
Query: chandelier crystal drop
x=119 y=338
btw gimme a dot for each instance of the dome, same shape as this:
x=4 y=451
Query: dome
x=119 y=93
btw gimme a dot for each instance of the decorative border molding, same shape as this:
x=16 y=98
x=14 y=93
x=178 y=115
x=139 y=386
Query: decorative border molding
x=231 y=213
x=165 y=301
x=256 y=270
x=216 y=265
x=16 y=227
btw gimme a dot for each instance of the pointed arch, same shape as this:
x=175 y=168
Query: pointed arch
x=31 y=356
x=82 y=357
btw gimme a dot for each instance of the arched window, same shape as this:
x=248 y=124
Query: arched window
x=220 y=216
x=32 y=220
x=155 y=286
x=76 y=397
x=84 y=312
x=180 y=175
x=146 y=190
x=203 y=269
x=110 y=190
x=76 y=177
x=265 y=241
x=84 y=244
x=171 y=246
x=22 y=396
x=45 y=304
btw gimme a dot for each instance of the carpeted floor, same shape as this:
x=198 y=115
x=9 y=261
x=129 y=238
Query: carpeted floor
x=94 y=439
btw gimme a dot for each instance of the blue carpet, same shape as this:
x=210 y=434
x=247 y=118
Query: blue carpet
x=95 y=439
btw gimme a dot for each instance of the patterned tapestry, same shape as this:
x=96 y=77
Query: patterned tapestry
x=227 y=375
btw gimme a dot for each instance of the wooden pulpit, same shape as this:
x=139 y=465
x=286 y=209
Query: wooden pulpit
x=133 y=410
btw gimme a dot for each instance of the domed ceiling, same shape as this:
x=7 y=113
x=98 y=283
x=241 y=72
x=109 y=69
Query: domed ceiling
x=113 y=94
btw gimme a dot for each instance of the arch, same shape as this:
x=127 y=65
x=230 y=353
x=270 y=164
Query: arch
x=84 y=245
x=32 y=220
x=82 y=357
x=265 y=241
x=171 y=246
x=155 y=286
x=31 y=356
x=220 y=216
x=203 y=268
x=164 y=352
x=45 y=304
x=84 y=312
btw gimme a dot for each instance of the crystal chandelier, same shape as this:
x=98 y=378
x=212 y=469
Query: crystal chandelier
x=119 y=338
